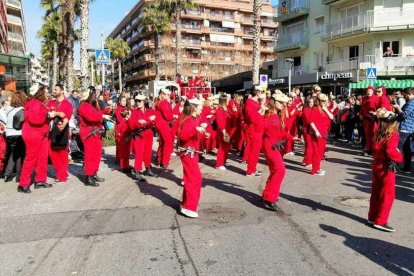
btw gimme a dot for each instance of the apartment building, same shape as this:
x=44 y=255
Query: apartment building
x=217 y=41
x=331 y=40
x=3 y=27
x=16 y=32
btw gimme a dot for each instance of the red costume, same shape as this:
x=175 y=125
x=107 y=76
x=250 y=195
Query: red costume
x=255 y=126
x=273 y=134
x=383 y=180
x=369 y=104
x=223 y=121
x=122 y=133
x=322 y=123
x=90 y=125
x=35 y=131
x=384 y=101
x=162 y=124
x=142 y=141
x=188 y=137
x=207 y=116
x=291 y=126
x=60 y=157
x=306 y=117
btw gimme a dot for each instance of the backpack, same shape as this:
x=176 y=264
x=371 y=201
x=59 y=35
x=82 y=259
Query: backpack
x=18 y=119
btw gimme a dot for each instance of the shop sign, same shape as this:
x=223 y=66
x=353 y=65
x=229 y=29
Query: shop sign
x=336 y=76
x=276 y=81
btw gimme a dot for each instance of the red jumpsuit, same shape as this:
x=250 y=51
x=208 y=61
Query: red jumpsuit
x=3 y=151
x=306 y=116
x=35 y=131
x=123 y=144
x=223 y=120
x=383 y=180
x=384 y=102
x=291 y=126
x=60 y=157
x=368 y=104
x=188 y=137
x=255 y=126
x=273 y=133
x=322 y=123
x=175 y=126
x=162 y=124
x=142 y=142
x=208 y=144
x=90 y=122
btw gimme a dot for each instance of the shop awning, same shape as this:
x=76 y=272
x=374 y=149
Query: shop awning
x=399 y=84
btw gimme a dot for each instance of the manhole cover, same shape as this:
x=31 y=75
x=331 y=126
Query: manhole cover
x=221 y=214
x=353 y=201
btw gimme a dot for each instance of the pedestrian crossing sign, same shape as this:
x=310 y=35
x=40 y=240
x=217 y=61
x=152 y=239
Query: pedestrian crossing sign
x=103 y=56
x=371 y=73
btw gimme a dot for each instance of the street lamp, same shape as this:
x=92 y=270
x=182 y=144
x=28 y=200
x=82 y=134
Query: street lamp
x=290 y=60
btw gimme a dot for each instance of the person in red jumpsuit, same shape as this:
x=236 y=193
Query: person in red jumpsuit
x=188 y=134
x=275 y=137
x=177 y=111
x=223 y=120
x=62 y=108
x=368 y=108
x=320 y=122
x=254 y=112
x=307 y=137
x=91 y=120
x=291 y=124
x=140 y=125
x=35 y=132
x=383 y=99
x=236 y=132
x=207 y=118
x=162 y=124
x=123 y=144
x=386 y=156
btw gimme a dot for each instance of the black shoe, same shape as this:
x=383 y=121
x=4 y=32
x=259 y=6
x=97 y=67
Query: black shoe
x=96 y=178
x=41 y=185
x=25 y=190
x=126 y=170
x=149 y=172
x=90 y=182
x=138 y=176
x=8 y=178
x=384 y=227
x=257 y=173
x=270 y=206
x=17 y=179
x=2 y=175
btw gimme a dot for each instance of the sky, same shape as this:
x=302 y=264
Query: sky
x=105 y=15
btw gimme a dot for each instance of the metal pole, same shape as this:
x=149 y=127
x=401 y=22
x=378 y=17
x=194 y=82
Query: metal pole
x=103 y=65
x=92 y=74
x=290 y=77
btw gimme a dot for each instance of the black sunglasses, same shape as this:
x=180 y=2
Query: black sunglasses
x=138 y=101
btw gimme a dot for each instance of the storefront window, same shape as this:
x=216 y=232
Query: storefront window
x=14 y=73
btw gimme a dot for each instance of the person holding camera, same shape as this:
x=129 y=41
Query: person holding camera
x=386 y=155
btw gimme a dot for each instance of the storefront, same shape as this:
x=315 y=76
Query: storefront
x=14 y=73
x=337 y=82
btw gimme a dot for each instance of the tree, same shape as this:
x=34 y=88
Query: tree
x=155 y=20
x=119 y=51
x=176 y=7
x=257 y=11
x=84 y=43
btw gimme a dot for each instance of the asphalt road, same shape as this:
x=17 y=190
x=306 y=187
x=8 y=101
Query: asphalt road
x=129 y=228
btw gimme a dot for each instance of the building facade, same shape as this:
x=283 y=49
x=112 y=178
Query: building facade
x=3 y=27
x=331 y=42
x=16 y=31
x=217 y=41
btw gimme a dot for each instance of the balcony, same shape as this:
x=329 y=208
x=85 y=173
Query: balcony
x=371 y=21
x=15 y=37
x=343 y=65
x=292 y=9
x=14 y=20
x=221 y=30
x=14 y=3
x=292 y=41
x=221 y=16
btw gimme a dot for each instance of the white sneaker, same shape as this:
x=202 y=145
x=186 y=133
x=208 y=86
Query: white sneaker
x=188 y=213
x=173 y=154
x=290 y=153
x=221 y=168
x=308 y=166
x=320 y=172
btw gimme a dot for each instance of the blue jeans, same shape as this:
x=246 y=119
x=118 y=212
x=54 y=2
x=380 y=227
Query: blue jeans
x=404 y=146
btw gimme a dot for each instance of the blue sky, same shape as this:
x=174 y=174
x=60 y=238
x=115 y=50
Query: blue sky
x=105 y=16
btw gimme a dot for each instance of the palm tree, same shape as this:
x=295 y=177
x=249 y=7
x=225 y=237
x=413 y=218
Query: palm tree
x=84 y=42
x=176 y=7
x=119 y=51
x=257 y=10
x=155 y=20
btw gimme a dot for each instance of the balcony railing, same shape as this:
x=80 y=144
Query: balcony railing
x=292 y=9
x=222 y=15
x=193 y=12
x=298 y=40
x=14 y=19
x=372 y=20
x=14 y=3
x=343 y=65
x=15 y=36
x=191 y=27
x=222 y=30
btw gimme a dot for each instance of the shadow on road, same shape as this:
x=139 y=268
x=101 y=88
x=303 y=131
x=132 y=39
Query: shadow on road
x=395 y=258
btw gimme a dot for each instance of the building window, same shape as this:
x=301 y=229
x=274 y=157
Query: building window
x=319 y=62
x=394 y=45
x=353 y=52
x=319 y=22
x=389 y=4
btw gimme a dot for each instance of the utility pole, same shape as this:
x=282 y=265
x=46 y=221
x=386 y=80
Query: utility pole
x=103 y=65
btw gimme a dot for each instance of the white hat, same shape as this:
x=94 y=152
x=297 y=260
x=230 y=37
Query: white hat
x=323 y=97
x=316 y=88
x=165 y=91
x=280 y=97
x=195 y=101
x=140 y=97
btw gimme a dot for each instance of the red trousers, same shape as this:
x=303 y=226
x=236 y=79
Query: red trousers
x=254 y=144
x=143 y=150
x=277 y=174
x=3 y=151
x=93 y=154
x=382 y=194
x=123 y=151
x=292 y=130
x=192 y=182
x=307 y=159
x=223 y=150
x=166 y=146
x=60 y=161
x=369 y=134
x=318 y=151
x=37 y=146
